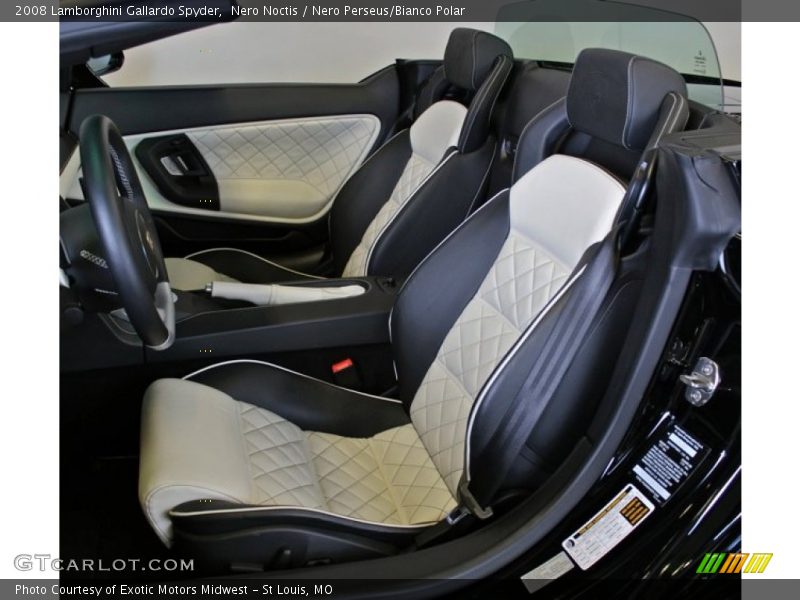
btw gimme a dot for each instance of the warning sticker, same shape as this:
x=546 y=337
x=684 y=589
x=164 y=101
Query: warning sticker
x=668 y=462
x=547 y=572
x=608 y=527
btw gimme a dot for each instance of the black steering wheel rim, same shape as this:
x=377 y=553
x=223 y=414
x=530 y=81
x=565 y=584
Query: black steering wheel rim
x=127 y=231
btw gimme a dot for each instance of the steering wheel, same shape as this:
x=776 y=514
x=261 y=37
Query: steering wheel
x=127 y=231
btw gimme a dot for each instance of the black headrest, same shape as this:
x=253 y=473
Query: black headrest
x=616 y=96
x=469 y=56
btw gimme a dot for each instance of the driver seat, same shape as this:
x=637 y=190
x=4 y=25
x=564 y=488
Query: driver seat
x=248 y=462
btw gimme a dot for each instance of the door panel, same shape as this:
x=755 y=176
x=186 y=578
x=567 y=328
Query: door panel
x=288 y=169
x=285 y=171
x=150 y=109
x=276 y=153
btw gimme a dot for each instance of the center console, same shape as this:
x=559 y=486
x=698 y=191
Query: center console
x=217 y=328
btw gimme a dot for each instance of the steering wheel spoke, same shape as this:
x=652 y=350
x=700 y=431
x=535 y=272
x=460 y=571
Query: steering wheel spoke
x=127 y=231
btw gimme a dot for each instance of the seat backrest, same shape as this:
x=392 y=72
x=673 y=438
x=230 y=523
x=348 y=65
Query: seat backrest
x=533 y=88
x=583 y=123
x=422 y=182
x=472 y=318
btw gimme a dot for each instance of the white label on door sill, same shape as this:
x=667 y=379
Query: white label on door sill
x=547 y=572
x=608 y=527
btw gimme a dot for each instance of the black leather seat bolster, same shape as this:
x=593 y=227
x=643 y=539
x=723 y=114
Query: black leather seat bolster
x=434 y=210
x=478 y=62
x=580 y=390
x=433 y=90
x=425 y=309
x=477 y=123
x=363 y=195
x=672 y=116
x=205 y=517
x=222 y=533
x=309 y=403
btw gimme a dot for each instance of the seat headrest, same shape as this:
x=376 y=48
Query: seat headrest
x=616 y=96
x=469 y=56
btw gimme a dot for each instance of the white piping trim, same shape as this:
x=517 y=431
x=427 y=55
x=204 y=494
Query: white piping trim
x=449 y=235
x=474 y=58
x=630 y=91
x=506 y=359
x=406 y=202
x=280 y=368
x=483 y=93
x=599 y=168
x=484 y=179
x=378 y=149
x=261 y=258
x=569 y=89
x=669 y=123
x=486 y=85
x=174 y=513
x=361 y=166
x=431 y=253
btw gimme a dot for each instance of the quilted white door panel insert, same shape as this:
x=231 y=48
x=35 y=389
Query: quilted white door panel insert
x=287 y=169
x=280 y=171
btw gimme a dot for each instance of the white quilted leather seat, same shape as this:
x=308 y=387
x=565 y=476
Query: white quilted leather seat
x=249 y=461
x=404 y=188
x=201 y=443
x=205 y=440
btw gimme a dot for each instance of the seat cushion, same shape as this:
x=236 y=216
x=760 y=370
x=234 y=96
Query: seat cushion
x=199 y=443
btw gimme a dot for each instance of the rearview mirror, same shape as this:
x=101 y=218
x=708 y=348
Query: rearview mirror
x=103 y=65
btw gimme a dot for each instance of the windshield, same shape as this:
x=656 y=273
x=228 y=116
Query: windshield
x=680 y=42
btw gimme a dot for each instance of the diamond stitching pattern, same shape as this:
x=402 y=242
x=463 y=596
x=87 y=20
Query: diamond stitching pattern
x=350 y=478
x=388 y=478
x=521 y=281
x=416 y=484
x=321 y=152
x=439 y=413
x=279 y=466
x=415 y=172
x=409 y=474
x=478 y=337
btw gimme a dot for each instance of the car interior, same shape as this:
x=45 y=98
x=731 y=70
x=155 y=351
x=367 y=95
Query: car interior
x=306 y=325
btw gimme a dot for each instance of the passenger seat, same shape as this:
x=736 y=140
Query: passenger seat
x=408 y=195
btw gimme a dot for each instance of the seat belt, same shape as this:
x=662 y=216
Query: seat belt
x=538 y=389
x=540 y=386
x=635 y=200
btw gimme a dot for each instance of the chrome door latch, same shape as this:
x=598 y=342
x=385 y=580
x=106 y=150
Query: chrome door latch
x=702 y=382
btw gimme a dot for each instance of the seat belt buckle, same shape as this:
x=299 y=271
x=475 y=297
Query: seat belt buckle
x=470 y=504
x=455 y=515
x=345 y=374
